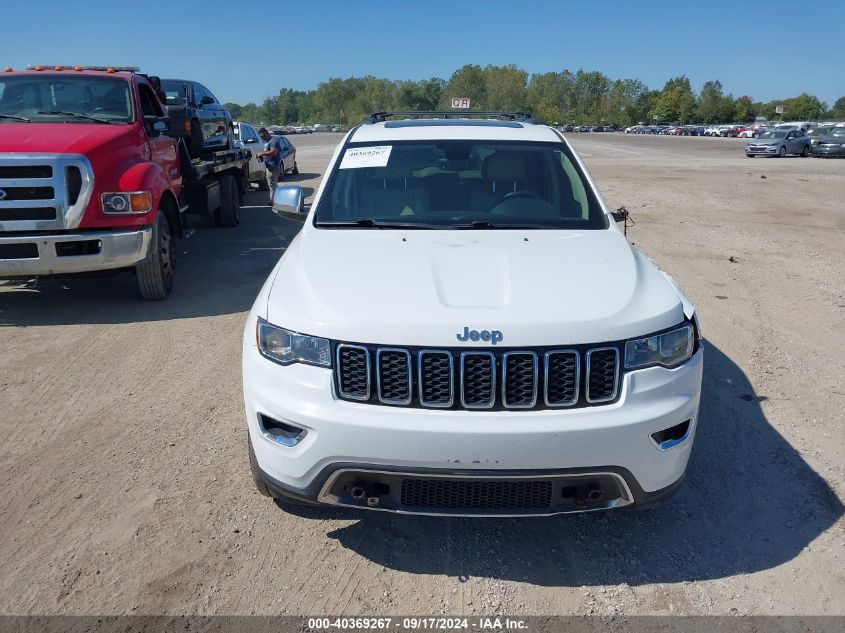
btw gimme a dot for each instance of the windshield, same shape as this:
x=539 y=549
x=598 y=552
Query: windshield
x=459 y=184
x=51 y=98
x=837 y=131
x=818 y=131
x=773 y=135
x=176 y=92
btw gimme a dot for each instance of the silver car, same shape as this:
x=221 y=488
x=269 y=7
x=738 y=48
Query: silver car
x=779 y=143
x=246 y=137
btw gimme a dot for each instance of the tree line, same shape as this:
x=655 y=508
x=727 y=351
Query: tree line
x=582 y=97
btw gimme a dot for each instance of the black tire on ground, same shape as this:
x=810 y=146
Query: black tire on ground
x=255 y=471
x=750 y=155
x=196 y=142
x=295 y=170
x=782 y=152
x=155 y=273
x=230 y=203
x=806 y=151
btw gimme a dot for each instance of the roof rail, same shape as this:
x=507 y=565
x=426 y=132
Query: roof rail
x=380 y=117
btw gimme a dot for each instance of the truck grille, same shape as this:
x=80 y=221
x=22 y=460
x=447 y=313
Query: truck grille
x=474 y=494
x=477 y=379
x=43 y=191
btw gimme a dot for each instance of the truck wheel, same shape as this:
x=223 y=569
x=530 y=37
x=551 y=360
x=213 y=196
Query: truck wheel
x=255 y=471
x=230 y=203
x=295 y=170
x=155 y=273
x=196 y=143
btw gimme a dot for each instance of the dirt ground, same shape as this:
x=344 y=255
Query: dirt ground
x=124 y=482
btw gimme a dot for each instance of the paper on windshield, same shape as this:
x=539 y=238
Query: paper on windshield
x=356 y=157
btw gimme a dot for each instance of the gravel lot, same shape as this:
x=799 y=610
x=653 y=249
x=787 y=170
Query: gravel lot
x=124 y=482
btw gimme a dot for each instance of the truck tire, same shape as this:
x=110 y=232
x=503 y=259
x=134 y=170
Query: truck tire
x=229 y=213
x=255 y=471
x=196 y=142
x=155 y=273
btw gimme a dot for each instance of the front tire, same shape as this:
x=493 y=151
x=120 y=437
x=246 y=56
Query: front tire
x=295 y=170
x=155 y=273
x=782 y=152
x=806 y=151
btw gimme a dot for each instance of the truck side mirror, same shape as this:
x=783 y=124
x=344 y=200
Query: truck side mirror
x=155 y=125
x=288 y=202
x=206 y=100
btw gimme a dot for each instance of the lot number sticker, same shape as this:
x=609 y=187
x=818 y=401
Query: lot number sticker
x=366 y=157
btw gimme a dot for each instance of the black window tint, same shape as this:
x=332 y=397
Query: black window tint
x=446 y=183
x=201 y=91
x=149 y=103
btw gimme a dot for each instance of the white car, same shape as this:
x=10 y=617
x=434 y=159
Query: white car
x=460 y=327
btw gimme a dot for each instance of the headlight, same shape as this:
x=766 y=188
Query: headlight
x=667 y=349
x=286 y=347
x=129 y=202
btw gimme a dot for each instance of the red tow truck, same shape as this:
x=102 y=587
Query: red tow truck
x=89 y=180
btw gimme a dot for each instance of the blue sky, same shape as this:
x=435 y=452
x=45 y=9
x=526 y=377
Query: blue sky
x=262 y=46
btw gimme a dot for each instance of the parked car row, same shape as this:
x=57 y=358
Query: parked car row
x=302 y=129
x=825 y=141
x=587 y=128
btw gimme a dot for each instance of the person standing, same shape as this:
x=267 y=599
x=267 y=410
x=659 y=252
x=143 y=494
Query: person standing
x=272 y=156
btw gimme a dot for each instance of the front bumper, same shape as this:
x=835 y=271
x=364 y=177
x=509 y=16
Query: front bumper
x=824 y=151
x=22 y=255
x=614 y=439
x=767 y=150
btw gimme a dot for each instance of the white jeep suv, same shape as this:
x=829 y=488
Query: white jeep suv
x=461 y=328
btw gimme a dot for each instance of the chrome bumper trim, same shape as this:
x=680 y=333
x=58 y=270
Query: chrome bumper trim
x=117 y=250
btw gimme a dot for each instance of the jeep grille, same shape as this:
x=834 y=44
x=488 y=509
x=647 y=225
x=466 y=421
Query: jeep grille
x=477 y=379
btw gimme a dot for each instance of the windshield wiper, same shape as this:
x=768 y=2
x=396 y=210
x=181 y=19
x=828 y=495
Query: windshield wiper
x=78 y=115
x=378 y=224
x=15 y=117
x=485 y=224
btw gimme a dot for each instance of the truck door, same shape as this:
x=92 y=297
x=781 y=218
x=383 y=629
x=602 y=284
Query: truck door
x=162 y=148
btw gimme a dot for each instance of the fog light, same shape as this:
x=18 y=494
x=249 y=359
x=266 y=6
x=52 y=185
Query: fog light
x=671 y=437
x=280 y=432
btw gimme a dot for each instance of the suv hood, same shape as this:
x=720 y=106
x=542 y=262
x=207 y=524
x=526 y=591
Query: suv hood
x=424 y=287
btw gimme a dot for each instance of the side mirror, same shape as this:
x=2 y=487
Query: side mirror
x=155 y=125
x=288 y=202
x=620 y=215
x=206 y=100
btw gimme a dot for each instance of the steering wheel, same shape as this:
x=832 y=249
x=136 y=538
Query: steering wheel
x=518 y=194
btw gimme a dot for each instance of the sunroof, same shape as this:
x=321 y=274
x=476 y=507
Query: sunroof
x=446 y=122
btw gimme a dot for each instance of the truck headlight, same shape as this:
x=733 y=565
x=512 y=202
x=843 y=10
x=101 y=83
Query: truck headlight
x=286 y=347
x=128 y=202
x=667 y=349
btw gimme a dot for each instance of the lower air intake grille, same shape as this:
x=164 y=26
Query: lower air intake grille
x=488 y=495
